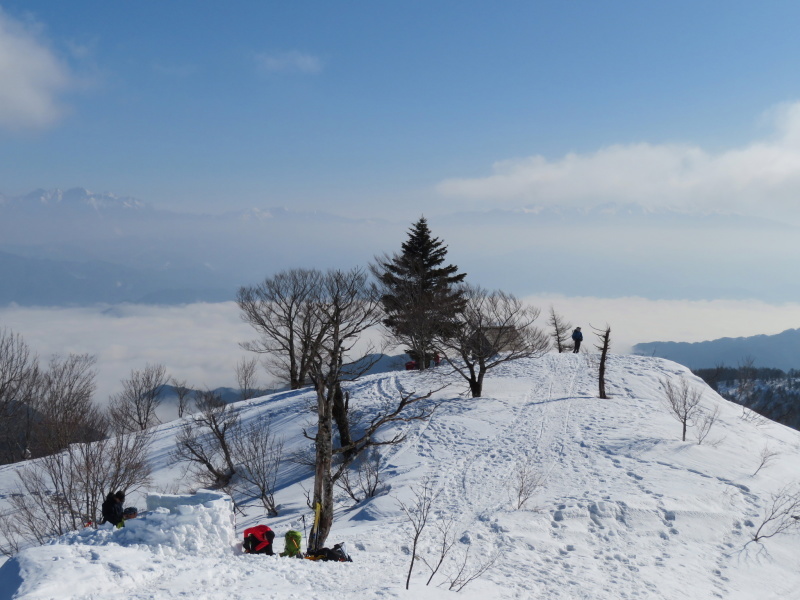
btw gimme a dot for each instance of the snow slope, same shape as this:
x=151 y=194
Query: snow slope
x=627 y=510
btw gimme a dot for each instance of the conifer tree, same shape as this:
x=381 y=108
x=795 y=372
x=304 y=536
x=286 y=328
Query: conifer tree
x=421 y=296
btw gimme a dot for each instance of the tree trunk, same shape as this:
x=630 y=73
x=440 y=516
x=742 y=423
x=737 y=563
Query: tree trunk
x=419 y=351
x=476 y=387
x=605 y=338
x=342 y=419
x=323 y=482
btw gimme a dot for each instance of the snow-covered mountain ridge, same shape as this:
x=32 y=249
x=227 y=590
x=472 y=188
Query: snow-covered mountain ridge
x=626 y=509
x=73 y=199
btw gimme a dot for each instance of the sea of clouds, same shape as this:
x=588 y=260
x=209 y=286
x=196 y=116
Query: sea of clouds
x=200 y=342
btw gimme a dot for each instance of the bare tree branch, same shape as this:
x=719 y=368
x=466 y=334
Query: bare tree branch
x=282 y=310
x=184 y=396
x=682 y=401
x=495 y=327
x=781 y=514
x=247 y=377
x=135 y=407
x=259 y=454
x=418 y=512
x=560 y=330
x=204 y=441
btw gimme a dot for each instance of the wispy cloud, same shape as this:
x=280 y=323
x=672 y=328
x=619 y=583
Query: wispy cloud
x=763 y=174
x=292 y=61
x=32 y=78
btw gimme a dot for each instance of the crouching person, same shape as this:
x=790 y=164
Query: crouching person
x=258 y=540
x=112 y=508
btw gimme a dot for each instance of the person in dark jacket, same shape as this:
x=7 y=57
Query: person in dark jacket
x=577 y=338
x=112 y=508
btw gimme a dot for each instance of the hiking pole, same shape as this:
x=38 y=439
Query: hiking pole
x=304 y=527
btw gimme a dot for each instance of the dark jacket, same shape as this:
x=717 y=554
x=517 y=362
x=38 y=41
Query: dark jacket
x=112 y=510
x=577 y=336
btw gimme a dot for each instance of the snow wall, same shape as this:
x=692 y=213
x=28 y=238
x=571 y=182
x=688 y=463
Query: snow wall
x=174 y=525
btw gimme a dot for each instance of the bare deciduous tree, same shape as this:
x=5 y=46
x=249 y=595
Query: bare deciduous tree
x=134 y=408
x=560 y=330
x=467 y=571
x=259 y=454
x=184 y=395
x=247 y=377
x=65 y=406
x=705 y=421
x=63 y=491
x=19 y=381
x=364 y=479
x=525 y=480
x=347 y=307
x=605 y=344
x=325 y=476
x=746 y=392
x=765 y=458
x=446 y=532
x=682 y=400
x=418 y=511
x=494 y=327
x=313 y=321
x=781 y=514
x=281 y=310
x=205 y=441
x=44 y=410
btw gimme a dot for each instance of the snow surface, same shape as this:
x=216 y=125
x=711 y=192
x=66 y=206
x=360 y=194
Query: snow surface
x=627 y=510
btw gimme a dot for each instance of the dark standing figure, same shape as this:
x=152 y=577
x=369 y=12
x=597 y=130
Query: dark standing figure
x=112 y=508
x=577 y=338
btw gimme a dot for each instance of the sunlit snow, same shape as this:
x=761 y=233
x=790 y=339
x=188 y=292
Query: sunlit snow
x=626 y=510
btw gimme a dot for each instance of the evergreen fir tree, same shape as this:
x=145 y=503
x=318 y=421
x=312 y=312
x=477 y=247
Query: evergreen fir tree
x=421 y=297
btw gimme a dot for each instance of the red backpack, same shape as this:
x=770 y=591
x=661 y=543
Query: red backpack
x=258 y=540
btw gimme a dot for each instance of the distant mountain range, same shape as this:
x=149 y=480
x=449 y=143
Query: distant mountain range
x=780 y=351
x=78 y=247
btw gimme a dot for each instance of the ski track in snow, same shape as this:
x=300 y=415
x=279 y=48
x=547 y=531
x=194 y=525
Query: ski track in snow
x=626 y=510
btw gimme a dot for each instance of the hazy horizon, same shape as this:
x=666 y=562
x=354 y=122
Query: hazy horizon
x=200 y=342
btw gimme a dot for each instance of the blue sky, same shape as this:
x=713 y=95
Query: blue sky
x=362 y=107
x=392 y=109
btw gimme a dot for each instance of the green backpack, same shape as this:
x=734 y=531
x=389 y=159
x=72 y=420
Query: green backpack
x=293 y=543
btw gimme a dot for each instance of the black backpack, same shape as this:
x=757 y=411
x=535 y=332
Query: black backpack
x=338 y=554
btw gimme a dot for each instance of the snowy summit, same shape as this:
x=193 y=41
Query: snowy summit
x=620 y=507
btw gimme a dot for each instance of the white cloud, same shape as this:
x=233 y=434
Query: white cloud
x=764 y=174
x=31 y=78
x=289 y=61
